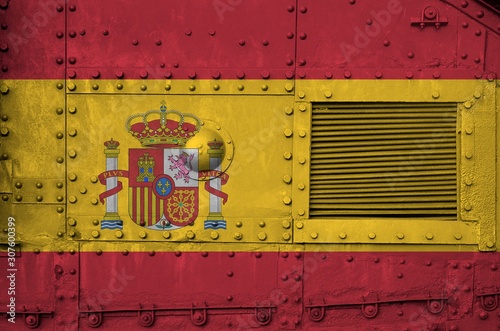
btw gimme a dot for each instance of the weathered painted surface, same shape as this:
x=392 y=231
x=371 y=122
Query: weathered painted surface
x=157 y=159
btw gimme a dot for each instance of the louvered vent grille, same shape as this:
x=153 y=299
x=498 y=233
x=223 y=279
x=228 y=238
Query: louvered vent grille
x=383 y=160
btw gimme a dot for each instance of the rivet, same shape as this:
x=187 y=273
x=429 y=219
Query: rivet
x=490 y=244
x=59 y=86
x=4 y=89
x=328 y=94
x=284 y=277
x=303 y=36
x=93 y=179
x=72 y=177
x=301 y=95
x=289 y=74
x=288 y=110
x=95 y=74
x=287 y=200
x=192 y=88
x=428 y=263
x=458 y=236
x=480 y=14
x=71 y=221
x=429 y=236
x=302 y=160
x=349 y=258
x=72 y=154
x=166 y=234
x=71 y=73
x=467 y=266
x=59 y=111
x=238 y=236
x=230 y=274
x=287 y=179
x=302 y=133
x=5 y=118
x=301 y=186
x=214 y=235
x=493 y=267
x=238 y=224
x=297 y=278
x=314 y=235
x=18 y=185
x=287 y=132
x=241 y=42
x=435 y=94
x=477 y=94
x=342 y=235
x=168 y=87
x=39 y=198
x=477 y=33
x=347 y=74
x=372 y=235
x=95 y=222
x=158 y=42
x=464 y=56
x=289 y=87
x=59 y=60
x=262 y=224
x=468 y=155
x=302 y=108
x=5 y=197
x=241 y=87
x=410 y=55
x=95 y=87
x=468 y=181
x=328 y=75
x=298 y=255
x=71 y=233
x=301 y=212
x=464 y=4
x=72 y=199
x=262 y=236
x=286 y=224
x=71 y=86
x=59 y=34
x=378 y=74
x=386 y=43
x=59 y=234
x=152 y=253
x=265 y=42
x=95 y=234
x=265 y=74
x=144 y=87
x=483 y=315
x=125 y=252
x=299 y=225
x=60 y=210
x=477 y=60
x=465 y=25
x=400 y=275
x=142 y=234
x=60 y=160
x=290 y=35
x=409 y=74
x=5 y=156
x=400 y=235
x=289 y=62
x=190 y=235
x=216 y=87
x=135 y=42
x=467 y=104
x=119 y=86
x=94 y=201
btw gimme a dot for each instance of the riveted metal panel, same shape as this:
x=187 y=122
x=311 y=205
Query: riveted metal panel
x=32 y=39
x=253 y=125
x=220 y=39
x=218 y=290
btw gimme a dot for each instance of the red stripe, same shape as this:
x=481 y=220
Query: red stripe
x=141 y=216
x=150 y=207
x=134 y=203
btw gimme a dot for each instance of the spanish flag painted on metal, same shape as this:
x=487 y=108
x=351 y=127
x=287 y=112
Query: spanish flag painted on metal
x=249 y=165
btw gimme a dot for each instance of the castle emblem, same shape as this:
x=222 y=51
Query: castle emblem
x=163 y=175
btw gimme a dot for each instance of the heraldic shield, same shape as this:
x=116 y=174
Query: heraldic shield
x=163 y=186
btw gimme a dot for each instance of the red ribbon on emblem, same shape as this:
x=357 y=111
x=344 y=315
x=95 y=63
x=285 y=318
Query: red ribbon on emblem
x=215 y=173
x=109 y=174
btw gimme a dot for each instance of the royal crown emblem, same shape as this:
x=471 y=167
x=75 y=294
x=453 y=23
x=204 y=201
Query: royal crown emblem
x=164 y=175
x=163 y=128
